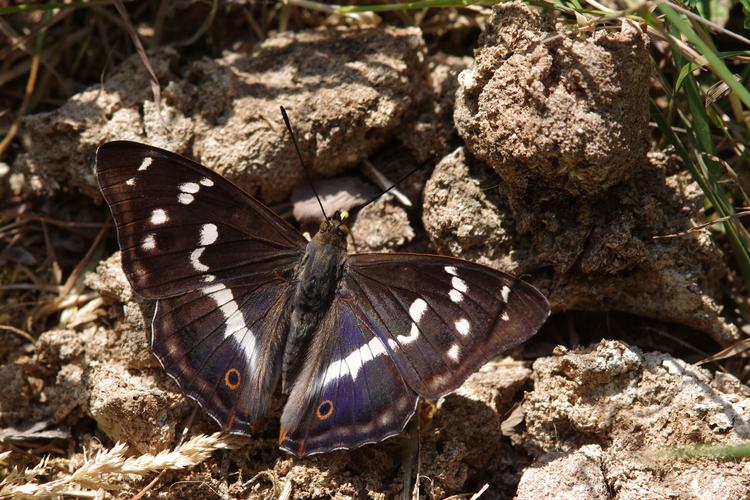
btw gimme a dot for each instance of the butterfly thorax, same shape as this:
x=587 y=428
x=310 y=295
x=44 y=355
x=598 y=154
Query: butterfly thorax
x=316 y=279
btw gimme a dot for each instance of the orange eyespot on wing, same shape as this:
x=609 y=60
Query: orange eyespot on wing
x=325 y=410
x=232 y=379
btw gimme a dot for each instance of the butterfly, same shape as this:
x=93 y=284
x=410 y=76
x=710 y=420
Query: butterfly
x=245 y=303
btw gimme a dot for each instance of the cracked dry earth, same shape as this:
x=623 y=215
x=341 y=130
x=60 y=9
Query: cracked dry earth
x=545 y=170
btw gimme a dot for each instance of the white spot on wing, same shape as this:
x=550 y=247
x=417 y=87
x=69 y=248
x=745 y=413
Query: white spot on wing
x=195 y=259
x=462 y=326
x=354 y=362
x=130 y=182
x=402 y=403
x=366 y=428
x=208 y=278
x=456 y=296
x=451 y=270
x=233 y=318
x=189 y=187
x=416 y=311
x=207 y=182
x=453 y=352
x=145 y=163
x=459 y=284
x=185 y=198
x=235 y=322
x=210 y=290
x=505 y=292
x=504 y=316
x=159 y=216
x=209 y=234
x=149 y=242
x=413 y=335
x=385 y=418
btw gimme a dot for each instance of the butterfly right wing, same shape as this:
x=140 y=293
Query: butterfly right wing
x=220 y=264
x=442 y=318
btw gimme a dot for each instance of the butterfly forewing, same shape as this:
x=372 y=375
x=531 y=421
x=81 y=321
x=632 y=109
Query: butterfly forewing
x=442 y=318
x=221 y=264
x=180 y=225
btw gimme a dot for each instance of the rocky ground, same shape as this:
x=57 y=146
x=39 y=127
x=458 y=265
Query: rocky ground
x=539 y=163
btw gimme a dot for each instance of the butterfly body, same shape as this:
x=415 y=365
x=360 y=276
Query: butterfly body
x=315 y=284
x=245 y=303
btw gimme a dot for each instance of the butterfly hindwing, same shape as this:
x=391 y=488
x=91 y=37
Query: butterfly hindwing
x=180 y=225
x=220 y=264
x=223 y=344
x=349 y=392
x=442 y=318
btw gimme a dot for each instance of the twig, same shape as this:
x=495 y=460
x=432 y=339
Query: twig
x=203 y=27
x=384 y=183
x=28 y=92
x=480 y=492
x=707 y=22
x=286 y=492
x=693 y=229
x=97 y=473
x=155 y=88
x=737 y=348
x=183 y=435
x=18 y=331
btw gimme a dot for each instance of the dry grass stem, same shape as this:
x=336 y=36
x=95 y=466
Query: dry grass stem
x=109 y=469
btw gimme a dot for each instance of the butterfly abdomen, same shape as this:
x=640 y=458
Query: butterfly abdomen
x=316 y=281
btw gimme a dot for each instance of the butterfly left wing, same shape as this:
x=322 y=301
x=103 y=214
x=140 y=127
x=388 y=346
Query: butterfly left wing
x=220 y=264
x=349 y=392
x=441 y=318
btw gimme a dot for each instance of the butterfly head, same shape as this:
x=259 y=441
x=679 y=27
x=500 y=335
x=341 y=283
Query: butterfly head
x=337 y=224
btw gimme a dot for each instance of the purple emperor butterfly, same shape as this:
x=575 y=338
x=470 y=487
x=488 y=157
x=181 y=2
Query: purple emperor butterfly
x=245 y=302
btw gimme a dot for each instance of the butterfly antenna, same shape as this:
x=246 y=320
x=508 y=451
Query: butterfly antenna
x=302 y=161
x=402 y=179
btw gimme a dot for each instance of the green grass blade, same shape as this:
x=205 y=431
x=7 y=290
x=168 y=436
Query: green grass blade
x=421 y=4
x=26 y=7
x=712 y=191
x=746 y=11
x=717 y=451
x=714 y=62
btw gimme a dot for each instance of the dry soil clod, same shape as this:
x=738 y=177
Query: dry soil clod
x=611 y=414
x=578 y=202
x=347 y=92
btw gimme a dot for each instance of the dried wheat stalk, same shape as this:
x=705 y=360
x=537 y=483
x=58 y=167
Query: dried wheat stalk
x=109 y=469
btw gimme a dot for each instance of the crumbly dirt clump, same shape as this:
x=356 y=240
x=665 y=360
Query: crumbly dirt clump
x=569 y=113
x=580 y=205
x=346 y=92
x=611 y=414
x=588 y=256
